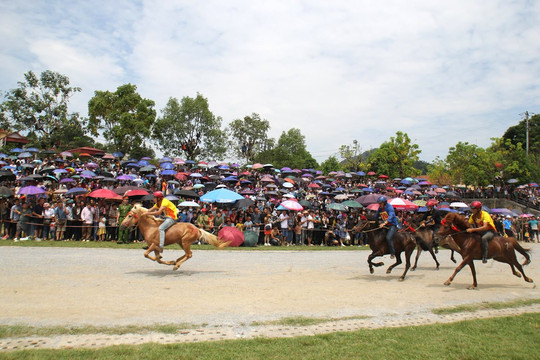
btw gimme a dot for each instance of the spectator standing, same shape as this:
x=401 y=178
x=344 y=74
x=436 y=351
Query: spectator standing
x=87 y=217
x=124 y=208
x=60 y=217
x=112 y=218
x=533 y=226
x=14 y=216
x=48 y=215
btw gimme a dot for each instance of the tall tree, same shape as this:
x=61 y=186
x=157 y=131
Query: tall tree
x=396 y=157
x=290 y=151
x=518 y=133
x=351 y=155
x=191 y=129
x=249 y=136
x=40 y=105
x=124 y=117
x=469 y=164
x=330 y=164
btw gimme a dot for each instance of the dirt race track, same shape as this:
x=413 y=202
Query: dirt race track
x=231 y=289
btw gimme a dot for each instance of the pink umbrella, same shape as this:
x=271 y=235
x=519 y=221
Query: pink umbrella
x=403 y=204
x=373 y=207
x=257 y=166
x=232 y=234
x=292 y=205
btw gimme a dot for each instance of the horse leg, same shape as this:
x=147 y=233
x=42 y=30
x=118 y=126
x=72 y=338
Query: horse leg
x=434 y=257
x=466 y=260
x=408 y=253
x=473 y=271
x=151 y=248
x=418 y=252
x=371 y=264
x=398 y=261
x=514 y=262
x=184 y=258
x=514 y=272
x=452 y=257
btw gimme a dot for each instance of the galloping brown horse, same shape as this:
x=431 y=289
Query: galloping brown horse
x=403 y=242
x=424 y=241
x=454 y=233
x=180 y=233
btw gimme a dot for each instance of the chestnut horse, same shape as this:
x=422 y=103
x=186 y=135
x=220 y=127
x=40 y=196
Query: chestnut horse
x=454 y=233
x=403 y=242
x=183 y=234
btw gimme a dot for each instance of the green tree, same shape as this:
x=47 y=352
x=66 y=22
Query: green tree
x=330 y=164
x=470 y=164
x=512 y=162
x=352 y=156
x=290 y=151
x=124 y=117
x=249 y=136
x=40 y=105
x=396 y=157
x=190 y=128
x=518 y=133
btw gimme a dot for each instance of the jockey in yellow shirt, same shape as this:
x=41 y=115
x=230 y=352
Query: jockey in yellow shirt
x=166 y=208
x=483 y=223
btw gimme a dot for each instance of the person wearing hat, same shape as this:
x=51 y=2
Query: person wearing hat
x=387 y=214
x=167 y=209
x=483 y=224
x=432 y=219
x=202 y=219
x=48 y=214
x=123 y=209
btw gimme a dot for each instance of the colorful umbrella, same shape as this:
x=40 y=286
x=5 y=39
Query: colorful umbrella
x=232 y=234
x=292 y=205
x=104 y=194
x=221 y=196
x=31 y=190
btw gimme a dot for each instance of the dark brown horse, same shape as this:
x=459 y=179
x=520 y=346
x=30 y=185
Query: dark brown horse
x=454 y=233
x=180 y=233
x=403 y=242
x=425 y=242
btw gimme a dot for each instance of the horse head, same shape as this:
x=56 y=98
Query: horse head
x=366 y=223
x=449 y=242
x=132 y=217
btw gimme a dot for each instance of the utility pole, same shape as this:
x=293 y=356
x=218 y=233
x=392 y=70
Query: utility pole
x=527 y=131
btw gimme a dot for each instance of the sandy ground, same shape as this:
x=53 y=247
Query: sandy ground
x=108 y=287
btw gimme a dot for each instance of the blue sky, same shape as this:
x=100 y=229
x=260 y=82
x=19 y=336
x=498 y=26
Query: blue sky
x=442 y=72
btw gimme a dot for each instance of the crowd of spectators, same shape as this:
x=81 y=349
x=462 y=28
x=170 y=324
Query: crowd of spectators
x=64 y=211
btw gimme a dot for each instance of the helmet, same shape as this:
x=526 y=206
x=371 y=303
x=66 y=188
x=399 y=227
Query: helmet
x=382 y=199
x=476 y=205
x=431 y=203
x=158 y=194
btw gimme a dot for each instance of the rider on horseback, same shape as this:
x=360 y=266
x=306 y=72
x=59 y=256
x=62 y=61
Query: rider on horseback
x=387 y=214
x=169 y=211
x=483 y=223
x=432 y=218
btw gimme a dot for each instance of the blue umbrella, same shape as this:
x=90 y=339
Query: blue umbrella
x=17 y=150
x=76 y=191
x=166 y=166
x=165 y=159
x=221 y=196
x=32 y=149
x=118 y=154
x=25 y=155
x=361 y=173
x=168 y=172
x=190 y=162
x=143 y=163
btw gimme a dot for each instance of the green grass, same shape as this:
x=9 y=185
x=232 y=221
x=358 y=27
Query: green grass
x=113 y=245
x=497 y=338
x=305 y=321
x=14 y=331
x=486 y=306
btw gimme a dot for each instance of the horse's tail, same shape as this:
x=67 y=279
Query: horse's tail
x=213 y=239
x=520 y=249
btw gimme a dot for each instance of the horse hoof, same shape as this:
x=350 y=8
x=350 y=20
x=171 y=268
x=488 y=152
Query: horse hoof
x=527 y=262
x=529 y=280
x=175 y=268
x=471 y=287
x=413 y=268
x=388 y=271
x=401 y=278
x=371 y=271
x=447 y=283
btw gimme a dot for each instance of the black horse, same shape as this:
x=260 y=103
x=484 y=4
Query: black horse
x=424 y=240
x=403 y=242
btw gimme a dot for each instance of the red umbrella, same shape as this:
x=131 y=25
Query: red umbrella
x=382 y=176
x=371 y=173
x=373 y=207
x=105 y=194
x=84 y=155
x=137 y=192
x=403 y=204
x=232 y=234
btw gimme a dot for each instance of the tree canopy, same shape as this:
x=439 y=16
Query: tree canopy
x=249 y=136
x=39 y=105
x=124 y=118
x=189 y=128
x=396 y=157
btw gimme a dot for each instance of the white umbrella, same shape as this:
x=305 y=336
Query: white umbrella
x=458 y=204
x=189 y=204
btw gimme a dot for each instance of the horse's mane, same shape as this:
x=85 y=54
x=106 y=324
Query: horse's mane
x=459 y=221
x=141 y=211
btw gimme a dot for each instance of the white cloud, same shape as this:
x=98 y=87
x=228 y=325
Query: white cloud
x=339 y=71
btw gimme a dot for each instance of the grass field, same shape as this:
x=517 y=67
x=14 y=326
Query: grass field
x=498 y=338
